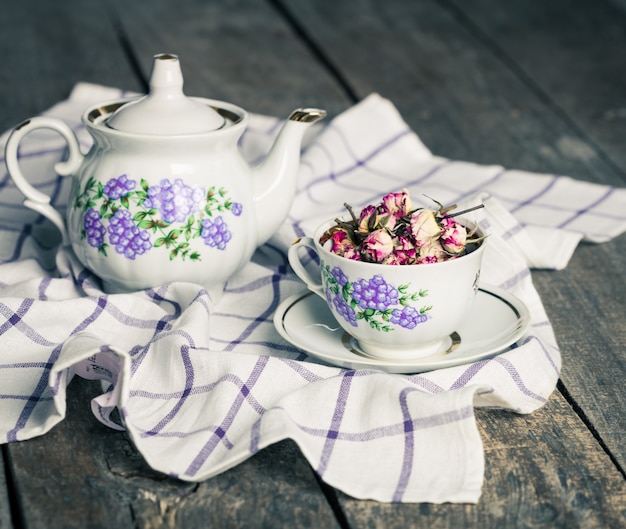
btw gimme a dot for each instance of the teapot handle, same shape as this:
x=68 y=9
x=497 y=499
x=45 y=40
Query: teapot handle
x=35 y=199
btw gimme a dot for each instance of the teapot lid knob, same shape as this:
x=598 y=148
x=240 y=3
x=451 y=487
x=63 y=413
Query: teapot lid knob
x=166 y=111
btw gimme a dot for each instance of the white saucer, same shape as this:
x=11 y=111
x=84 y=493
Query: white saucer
x=498 y=320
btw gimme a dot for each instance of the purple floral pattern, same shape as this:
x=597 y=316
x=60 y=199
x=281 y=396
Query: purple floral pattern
x=380 y=304
x=169 y=214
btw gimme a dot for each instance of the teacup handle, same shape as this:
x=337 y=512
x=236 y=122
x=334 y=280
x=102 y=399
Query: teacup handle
x=35 y=199
x=314 y=284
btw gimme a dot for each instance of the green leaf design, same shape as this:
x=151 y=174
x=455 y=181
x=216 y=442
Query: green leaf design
x=147 y=224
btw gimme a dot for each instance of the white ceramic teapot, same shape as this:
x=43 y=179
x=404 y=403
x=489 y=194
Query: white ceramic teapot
x=163 y=194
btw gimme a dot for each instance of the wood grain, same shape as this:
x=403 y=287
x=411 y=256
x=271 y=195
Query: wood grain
x=239 y=51
x=5 y=505
x=454 y=84
x=582 y=78
x=47 y=48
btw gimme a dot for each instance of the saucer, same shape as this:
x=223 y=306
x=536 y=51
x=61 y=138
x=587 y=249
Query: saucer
x=498 y=320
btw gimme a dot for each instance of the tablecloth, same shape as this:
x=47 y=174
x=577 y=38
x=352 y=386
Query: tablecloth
x=202 y=385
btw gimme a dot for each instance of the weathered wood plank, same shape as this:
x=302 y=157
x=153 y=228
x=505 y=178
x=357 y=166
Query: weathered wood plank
x=47 y=48
x=450 y=85
x=5 y=506
x=585 y=303
x=238 y=51
x=582 y=77
x=82 y=474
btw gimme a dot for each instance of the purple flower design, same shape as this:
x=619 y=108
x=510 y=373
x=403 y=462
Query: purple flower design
x=409 y=317
x=94 y=230
x=127 y=239
x=175 y=200
x=118 y=187
x=344 y=310
x=215 y=233
x=237 y=208
x=374 y=293
x=340 y=277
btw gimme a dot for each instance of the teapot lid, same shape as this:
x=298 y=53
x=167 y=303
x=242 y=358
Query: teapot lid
x=166 y=110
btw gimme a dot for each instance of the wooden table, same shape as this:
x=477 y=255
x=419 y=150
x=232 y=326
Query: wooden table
x=532 y=85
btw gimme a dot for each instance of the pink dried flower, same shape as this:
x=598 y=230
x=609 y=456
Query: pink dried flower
x=453 y=237
x=404 y=251
x=342 y=245
x=431 y=252
x=393 y=233
x=424 y=227
x=397 y=204
x=377 y=246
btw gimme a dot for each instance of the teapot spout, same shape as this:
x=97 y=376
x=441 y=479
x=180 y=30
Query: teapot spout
x=275 y=177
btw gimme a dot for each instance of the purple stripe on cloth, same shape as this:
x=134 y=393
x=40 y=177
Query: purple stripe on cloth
x=509 y=234
x=15 y=320
x=409 y=447
x=410 y=426
x=379 y=432
x=43 y=286
x=358 y=162
x=161 y=327
x=531 y=200
x=480 y=187
x=42 y=383
x=189 y=379
x=230 y=416
x=301 y=369
x=583 y=211
x=512 y=281
x=425 y=383
x=335 y=425
x=34 y=398
x=26 y=365
x=545 y=352
x=17 y=250
x=206 y=388
x=510 y=369
x=264 y=316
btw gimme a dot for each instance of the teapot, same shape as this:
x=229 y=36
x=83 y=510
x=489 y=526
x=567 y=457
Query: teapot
x=163 y=193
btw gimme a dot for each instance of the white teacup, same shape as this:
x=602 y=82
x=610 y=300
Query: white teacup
x=393 y=311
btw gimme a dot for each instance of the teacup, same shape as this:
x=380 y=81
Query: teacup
x=393 y=311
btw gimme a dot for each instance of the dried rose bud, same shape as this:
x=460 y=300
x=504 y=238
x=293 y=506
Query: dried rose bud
x=424 y=227
x=431 y=252
x=341 y=245
x=397 y=204
x=453 y=237
x=404 y=251
x=377 y=246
